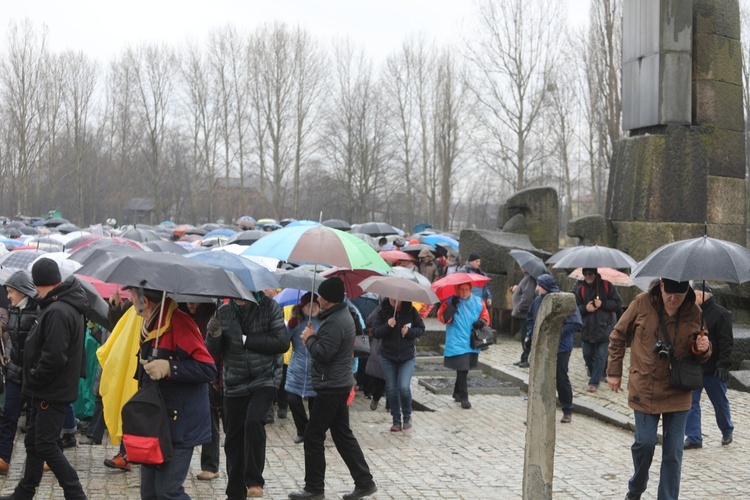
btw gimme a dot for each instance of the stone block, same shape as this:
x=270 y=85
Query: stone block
x=717 y=58
x=726 y=200
x=494 y=248
x=640 y=238
x=741 y=348
x=726 y=152
x=721 y=17
x=633 y=160
x=539 y=207
x=675 y=84
x=719 y=104
x=590 y=229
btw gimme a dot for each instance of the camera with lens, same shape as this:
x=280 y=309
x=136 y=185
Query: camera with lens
x=663 y=349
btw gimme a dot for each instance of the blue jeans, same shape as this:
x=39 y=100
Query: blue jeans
x=165 y=482
x=70 y=426
x=398 y=386
x=595 y=357
x=717 y=393
x=671 y=453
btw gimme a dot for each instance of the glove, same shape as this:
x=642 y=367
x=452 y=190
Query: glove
x=478 y=325
x=722 y=374
x=214 y=327
x=156 y=369
x=454 y=301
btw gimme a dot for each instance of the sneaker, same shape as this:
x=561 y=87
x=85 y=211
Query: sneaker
x=407 y=424
x=4 y=466
x=465 y=404
x=374 y=404
x=206 y=475
x=396 y=427
x=361 y=492
x=726 y=439
x=566 y=418
x=689 y=445
x=524 y=364
x=592 y=388
x=299 y=439
x=282 y=413
x=254 y=492
x=68 y=440
x=119 y=461
x=89 y=440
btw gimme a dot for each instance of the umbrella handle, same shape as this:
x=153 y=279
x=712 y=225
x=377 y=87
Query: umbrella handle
x=701 y=333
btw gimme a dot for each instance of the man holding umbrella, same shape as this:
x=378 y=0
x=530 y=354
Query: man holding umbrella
x=661 y=325
x=715 y=371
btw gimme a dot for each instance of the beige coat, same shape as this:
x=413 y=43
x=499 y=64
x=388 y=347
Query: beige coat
x=648 y=384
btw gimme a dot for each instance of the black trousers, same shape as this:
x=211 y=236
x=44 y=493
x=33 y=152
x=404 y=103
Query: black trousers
x=245 y=444
x=282 y=398
x=330 y=412
x=526 y=347
x=44 y=428
x=461 y=387
x=299 y=414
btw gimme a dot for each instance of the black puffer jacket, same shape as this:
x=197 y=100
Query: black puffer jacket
x=396 y=347
x=719 y=324
x=20 y=323
x=54 y=356
x=258 y=361
x=597 y=325
x=331 y=349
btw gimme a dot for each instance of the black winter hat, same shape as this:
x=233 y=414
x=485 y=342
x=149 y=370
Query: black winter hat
x=45 y=272
x=332 y=290
x=473 y=256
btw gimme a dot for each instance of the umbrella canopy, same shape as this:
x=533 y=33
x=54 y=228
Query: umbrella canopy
x=446 y=287
x=562 y=253
x=400 y=289
x=414 y=249
x=90 y=245
x=195 y=230
x=595 y=256
x=701 y=258
x=371 y=242
x=245 y=222
x=351 y=278
x=55 y=221
x=397 y=255
x=12 y=232
x=140 y=235
x=434 y=239
x=106 y=290
x=289 y=296
x=67 y=266
x=20 y=259
x=98 y=309
x=165 y=246
x=294 y=223
x=318 y=244
x=222 y=231
x=254 y=276
x=529 y=262
x=172 y=273
x=67 y=228
x=337 y=224
x=376 y=229
x=414 y=276
x=10 y=244
x=299 y=278
x=246 y=237
x=180 y=230
x=607 y=273
x=98 y=256
x=82 y=239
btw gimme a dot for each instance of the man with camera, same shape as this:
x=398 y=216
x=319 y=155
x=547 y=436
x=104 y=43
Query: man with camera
x=718 y=321
x=661 y=325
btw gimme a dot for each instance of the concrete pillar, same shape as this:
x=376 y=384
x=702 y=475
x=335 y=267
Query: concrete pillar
x=539 y=456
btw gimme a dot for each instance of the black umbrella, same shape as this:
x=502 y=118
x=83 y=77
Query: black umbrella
x=209 y=226
x=701 y=258
x=174 y=274
x=98 y=256
x=67 y=228
x=55 y=221
x=529 y=262
x=197 y=230
x=337 y=224
x=12 y=232
x=415 y=249
x=166 y=246
x=141 y=235
x=299 y=278
x=562 y=253
x=28 y=230
x=595 y=256
x=16 y=223
x=98 y=310
x=246 y=237
x=376 y=229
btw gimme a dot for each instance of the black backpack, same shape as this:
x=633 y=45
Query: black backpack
x=145 y=427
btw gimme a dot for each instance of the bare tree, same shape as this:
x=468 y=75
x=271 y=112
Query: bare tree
x=513 y=57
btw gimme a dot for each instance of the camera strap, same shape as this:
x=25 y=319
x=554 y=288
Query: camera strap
x=665 y=330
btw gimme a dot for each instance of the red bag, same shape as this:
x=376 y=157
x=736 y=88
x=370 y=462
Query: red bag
x=145 y=427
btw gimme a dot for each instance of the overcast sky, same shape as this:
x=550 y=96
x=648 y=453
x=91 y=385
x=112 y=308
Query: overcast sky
x=102 y=28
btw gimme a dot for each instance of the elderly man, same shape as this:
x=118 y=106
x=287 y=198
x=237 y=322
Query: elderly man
x=331 y=349
x=660 y=325
x=715 y=371
x=52 y=365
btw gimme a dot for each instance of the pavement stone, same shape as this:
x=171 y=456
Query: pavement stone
x=459 y=454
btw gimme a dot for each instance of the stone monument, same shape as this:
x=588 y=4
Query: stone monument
x=683 y=163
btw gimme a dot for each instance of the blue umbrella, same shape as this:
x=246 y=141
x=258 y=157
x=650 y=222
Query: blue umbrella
x=434 y=239
x=289 y=297
x=302 y=223
x=10 y=244
x=254 y=276
x=220 y=232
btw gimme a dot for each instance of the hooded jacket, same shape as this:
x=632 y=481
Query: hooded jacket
x=648 y=383
x=20 y=322
x=53 y=358
x=597 y=325
x=394 y=346
x=430 y=268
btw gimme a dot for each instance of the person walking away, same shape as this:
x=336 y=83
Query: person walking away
x=598 y=302
x=299 y=384
x=718 y=322
x=660 y=325
x=22 y=314
x=546 y=284
x=523 y=296
x=251 y=339
x=52 y=364
x=473 y=266
x=398 y=325
x=331 y=348
x=461 y=314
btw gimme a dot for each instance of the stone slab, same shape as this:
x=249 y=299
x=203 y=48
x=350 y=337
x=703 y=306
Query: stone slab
x=719 y=104
x=717 y=58
x=726 y=152
x=725 y=196
x=721 y=17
